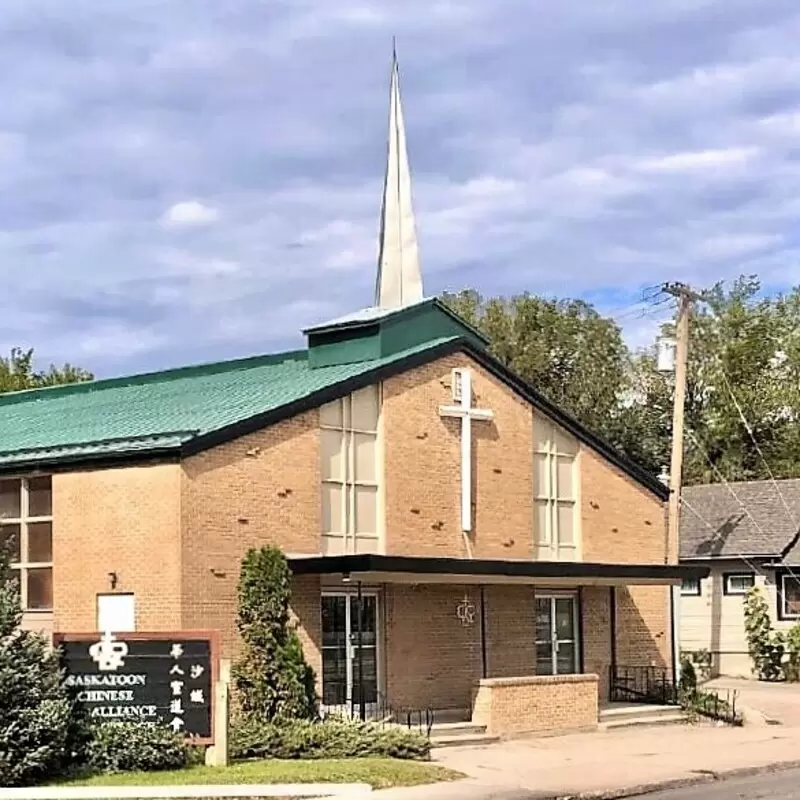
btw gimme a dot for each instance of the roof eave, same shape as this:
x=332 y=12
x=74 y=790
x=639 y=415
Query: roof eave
x=92 y=460
x=730 y=557
x=431 y=567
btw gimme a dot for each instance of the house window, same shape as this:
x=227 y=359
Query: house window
x=789 y=596
x=690 y=587
x=26 y=528
x=350 y=473
x=555 y=493
x=738 y=583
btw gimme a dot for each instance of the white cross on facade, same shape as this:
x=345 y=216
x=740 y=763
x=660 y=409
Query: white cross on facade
x=466 y=413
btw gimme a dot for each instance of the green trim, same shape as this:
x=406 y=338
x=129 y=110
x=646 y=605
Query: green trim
x=383 y=334
x=93 y=461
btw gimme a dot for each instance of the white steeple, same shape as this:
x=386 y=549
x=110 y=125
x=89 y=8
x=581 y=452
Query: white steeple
x=399 y=277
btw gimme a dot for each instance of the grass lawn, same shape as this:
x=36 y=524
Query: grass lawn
x=380 y=773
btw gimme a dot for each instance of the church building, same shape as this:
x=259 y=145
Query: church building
x=457 y=542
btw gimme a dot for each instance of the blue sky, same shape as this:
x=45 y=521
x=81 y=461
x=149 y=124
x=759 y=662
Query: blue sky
x=186 y=180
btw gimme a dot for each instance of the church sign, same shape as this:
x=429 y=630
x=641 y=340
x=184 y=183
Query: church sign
x=149 y=678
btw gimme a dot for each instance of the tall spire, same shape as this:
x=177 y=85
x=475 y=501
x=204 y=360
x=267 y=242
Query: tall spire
x=399 y=277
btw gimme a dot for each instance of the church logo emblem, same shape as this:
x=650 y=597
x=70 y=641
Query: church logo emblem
x=109 y=654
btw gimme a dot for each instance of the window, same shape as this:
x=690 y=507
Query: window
x=26 y=527
x=350 y=473
x=738 y=583
x=690 y=587
x=555 y=493
x=789 y=596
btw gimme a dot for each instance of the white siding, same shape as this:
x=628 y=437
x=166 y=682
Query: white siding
x=715 y=621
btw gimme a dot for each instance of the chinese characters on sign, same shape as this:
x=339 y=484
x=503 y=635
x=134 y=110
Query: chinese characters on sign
x=143 y=678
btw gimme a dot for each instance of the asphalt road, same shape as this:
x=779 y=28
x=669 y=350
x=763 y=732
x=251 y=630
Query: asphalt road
x=783 y=785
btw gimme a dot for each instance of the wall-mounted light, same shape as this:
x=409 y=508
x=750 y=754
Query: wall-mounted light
x=113 y=580
x=346 y=577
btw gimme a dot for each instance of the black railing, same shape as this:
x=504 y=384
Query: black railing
x=643 y=685
x=712 y=705
x=377 y=711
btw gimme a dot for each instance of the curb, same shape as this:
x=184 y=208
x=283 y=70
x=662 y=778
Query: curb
x=247 y=791
x=705 y=776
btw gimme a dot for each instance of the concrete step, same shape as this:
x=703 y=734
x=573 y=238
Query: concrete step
x=627 y=710
x=462 y=739
x=460 y=734
x=456 y=728
x=626 y=716
x=671 y=719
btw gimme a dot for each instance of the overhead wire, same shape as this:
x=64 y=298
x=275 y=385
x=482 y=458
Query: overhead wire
x=715 y=531
x=742 y=505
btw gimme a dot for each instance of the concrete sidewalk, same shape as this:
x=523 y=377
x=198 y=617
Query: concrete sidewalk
x=619 y=763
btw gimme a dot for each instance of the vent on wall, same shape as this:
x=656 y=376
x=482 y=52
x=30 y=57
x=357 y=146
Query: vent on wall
x=457 y=385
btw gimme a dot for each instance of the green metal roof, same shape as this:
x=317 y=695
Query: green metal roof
x=162 y=411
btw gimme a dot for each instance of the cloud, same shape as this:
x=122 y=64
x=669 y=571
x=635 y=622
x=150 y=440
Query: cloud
x=700 y=160
x=199 y=186
x=189 y=213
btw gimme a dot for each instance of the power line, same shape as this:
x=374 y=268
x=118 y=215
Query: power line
x=736 y=497
x=760 y=452
x=741 y=557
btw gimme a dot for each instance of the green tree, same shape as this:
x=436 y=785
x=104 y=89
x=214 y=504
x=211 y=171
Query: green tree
x=17 y=372
x=36 y=722
x=563 y=348
x=273 y=680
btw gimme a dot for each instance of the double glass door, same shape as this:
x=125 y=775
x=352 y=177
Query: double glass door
x=556 y=635
x=345 y=669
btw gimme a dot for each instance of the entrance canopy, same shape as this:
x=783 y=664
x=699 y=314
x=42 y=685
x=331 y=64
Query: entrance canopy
x=370 y=568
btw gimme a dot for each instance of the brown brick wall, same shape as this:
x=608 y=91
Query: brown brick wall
x=596 y=603
x=621 y=521
x=510 y=631
x=125 y=521
x=307 y=618
x=541 y=704
x=643 y=626
x=423 y=485
x=432 y=660
x=263 y=488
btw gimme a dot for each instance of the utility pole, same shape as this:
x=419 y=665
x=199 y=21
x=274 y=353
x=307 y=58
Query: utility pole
x=686 y=298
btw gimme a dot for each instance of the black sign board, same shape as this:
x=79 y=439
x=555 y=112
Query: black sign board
x=159 y=678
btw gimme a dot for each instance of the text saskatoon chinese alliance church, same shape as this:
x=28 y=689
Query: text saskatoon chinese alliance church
x=145 y=680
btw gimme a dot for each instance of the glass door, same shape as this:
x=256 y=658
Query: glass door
x=344 y=667
x=556 y=635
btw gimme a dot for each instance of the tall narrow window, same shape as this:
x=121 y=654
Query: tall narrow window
x=555 y=492
x=26 y=528
x=350 y=473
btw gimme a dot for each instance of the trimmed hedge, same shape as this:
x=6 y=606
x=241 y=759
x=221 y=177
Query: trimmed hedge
x=340 y=738
x=130 y=747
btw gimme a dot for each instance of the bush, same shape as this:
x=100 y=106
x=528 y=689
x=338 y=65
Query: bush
x=273 y=680
x=701 y=661
x=765 y=645
x=688 y=682
x=37 y=726
x=791 y=667
x=329 y=739
x=131 y=746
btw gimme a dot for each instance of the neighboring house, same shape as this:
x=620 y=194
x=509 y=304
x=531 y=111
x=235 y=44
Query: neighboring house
x=747 y=534
x=445 y=524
